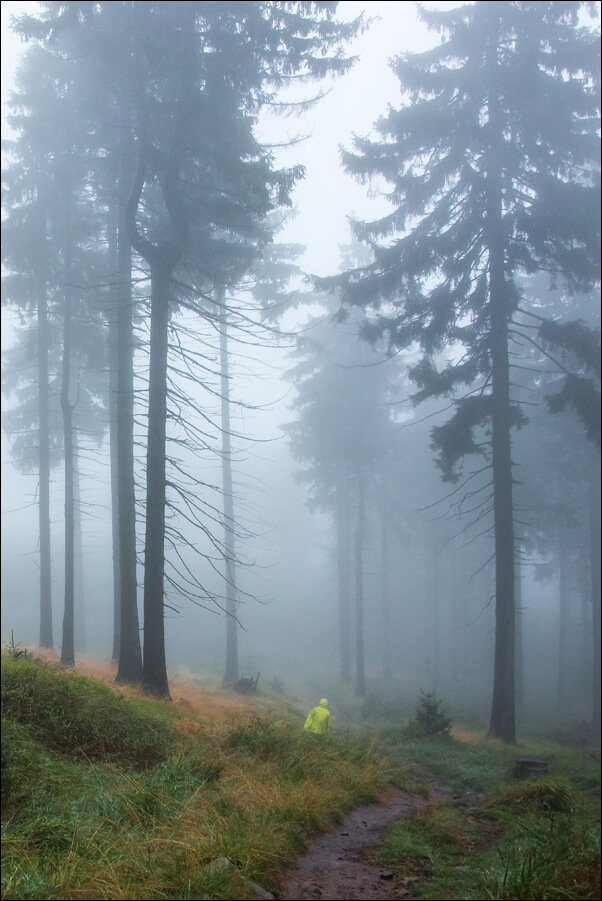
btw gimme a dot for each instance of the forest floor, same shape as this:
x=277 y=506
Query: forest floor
x=225 y=794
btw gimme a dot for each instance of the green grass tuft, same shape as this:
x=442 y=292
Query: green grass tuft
x=81 y=717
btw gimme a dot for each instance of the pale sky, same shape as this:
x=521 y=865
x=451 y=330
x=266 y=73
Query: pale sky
x=327 y=195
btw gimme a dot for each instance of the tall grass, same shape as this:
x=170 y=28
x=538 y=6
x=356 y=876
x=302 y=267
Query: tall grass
x=104 y=797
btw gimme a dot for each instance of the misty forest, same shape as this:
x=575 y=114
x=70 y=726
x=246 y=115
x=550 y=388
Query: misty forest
x=236 y=482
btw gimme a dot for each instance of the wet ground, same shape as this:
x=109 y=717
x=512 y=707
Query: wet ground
x=334 y=865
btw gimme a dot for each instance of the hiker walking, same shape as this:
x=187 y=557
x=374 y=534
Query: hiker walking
x=318 y=719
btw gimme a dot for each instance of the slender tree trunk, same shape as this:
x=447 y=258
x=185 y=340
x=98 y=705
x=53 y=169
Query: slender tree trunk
x=360 y=676
x=67 y=648
x=46 y=640
x=79 y=599
x=130 y=654
x=584 y=650
x=426 y=633
x=113 y=340
x=154 y=669
x=162 y=258
x=385 y=593
x=454 y=590
x=231 y=671
x=562 y=694
x=343 y=574
x=519 y=622
x=435 y=622
x=114 y=463
x=594 y=499
x=502 y=723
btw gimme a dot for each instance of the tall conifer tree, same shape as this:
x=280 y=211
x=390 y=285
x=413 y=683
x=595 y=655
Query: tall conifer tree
x=492 y=162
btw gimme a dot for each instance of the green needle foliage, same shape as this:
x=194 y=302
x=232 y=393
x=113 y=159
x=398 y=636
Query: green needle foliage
x=430 y=717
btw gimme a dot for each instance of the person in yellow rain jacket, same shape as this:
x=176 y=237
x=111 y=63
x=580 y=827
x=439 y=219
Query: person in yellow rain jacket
x=318 y=720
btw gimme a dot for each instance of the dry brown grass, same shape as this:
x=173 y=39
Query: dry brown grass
x=214 y=709
x=464 y=735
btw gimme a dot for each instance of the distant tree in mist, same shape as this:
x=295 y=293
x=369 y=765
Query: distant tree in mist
x=557 y=492
x=38 y=201
x=25 y=201
x=341 y=435
x=493 y=164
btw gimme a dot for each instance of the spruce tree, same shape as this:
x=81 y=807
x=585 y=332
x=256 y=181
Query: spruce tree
x=203 y=71
x=492 y=161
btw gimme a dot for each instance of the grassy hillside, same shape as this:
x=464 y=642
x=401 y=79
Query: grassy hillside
x=105 y=796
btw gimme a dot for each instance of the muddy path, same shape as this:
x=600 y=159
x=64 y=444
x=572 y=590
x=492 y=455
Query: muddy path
x=334 y=865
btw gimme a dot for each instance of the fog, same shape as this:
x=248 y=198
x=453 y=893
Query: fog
x=425 y=558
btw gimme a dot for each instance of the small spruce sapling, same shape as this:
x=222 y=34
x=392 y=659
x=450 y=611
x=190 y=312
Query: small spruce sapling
x=429 y=716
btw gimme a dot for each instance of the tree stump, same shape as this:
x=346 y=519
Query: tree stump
x=531 y=768
x=246 y=686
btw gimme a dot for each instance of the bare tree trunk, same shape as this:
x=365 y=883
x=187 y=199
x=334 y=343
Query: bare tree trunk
x=114 y=463
x=455 y=593
x=130 y=653
x=594 y=496
x=231 y=671
x=67 y=648
x=162 y=258
x=563 y=623
x=435 y=621
x=385 y=593
x=502 y=723
x=154 y=668
x=79 y=600
x=113 y=339
x=46 y=639
x=520 y=666
x=343 y=574
x=360 y=675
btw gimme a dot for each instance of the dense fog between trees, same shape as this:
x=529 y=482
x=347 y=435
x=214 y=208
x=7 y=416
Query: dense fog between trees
x=339 y=427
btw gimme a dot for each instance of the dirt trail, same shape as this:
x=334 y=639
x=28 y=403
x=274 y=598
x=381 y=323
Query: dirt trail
x=333 y=867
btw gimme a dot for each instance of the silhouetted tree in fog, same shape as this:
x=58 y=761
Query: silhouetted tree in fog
x=43 y=186
x=341 y=435
x=196 y=100
x=26 y=199
x=492 y=163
